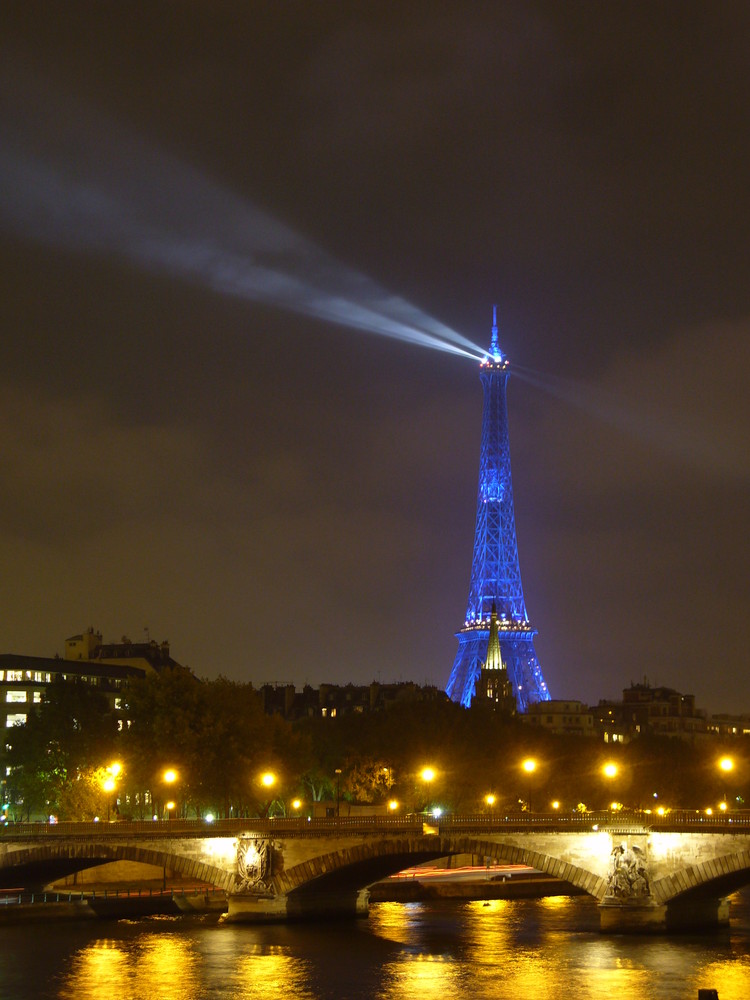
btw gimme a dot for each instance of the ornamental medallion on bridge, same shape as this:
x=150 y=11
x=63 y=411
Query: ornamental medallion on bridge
x=254 y=866
x=628 y=876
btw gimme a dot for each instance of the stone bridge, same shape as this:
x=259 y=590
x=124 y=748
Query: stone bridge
x=646 y=874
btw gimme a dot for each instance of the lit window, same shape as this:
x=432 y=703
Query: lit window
x=14 y=675
x=15 y=696
x=37 y=697
x=118 y=702
x=17 y=719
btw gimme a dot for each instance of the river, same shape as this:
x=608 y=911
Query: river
x=545 y=949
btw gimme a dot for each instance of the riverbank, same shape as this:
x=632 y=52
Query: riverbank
x=110 y=904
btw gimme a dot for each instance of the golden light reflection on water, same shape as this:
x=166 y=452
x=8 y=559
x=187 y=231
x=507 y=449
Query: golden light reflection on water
x=164 y=965
x=429 y=977
x=264 y=974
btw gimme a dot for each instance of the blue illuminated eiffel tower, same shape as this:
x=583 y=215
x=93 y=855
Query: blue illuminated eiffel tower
x=495 y=573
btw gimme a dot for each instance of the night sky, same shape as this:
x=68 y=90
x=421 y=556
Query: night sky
x=285 y=499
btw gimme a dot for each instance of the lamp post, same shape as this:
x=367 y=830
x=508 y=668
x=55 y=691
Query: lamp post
x=268 y=780
x=427 y=774
x=726 y=766
x=338 y=791
x=109 y=784
x=610 y=771
x=529 y=766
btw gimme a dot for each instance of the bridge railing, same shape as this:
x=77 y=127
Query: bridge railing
x=412 y=823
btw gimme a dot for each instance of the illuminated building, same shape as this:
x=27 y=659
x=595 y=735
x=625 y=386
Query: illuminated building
x=494 y=685
x=106 y=667
x=570 y=717
x=495 y=573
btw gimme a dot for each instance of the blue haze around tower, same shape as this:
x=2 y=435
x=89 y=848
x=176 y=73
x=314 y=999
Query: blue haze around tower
x=495 y=570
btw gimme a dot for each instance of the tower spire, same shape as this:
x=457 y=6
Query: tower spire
x=495 y=573
x=494 y=343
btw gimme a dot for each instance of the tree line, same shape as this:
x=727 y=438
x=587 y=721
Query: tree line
x=219 y=743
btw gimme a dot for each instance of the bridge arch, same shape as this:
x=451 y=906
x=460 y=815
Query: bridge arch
x=55 y=860
x=710 y=879
x=361 y=865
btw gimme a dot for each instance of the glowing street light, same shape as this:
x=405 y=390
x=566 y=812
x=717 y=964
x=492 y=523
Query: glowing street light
x=490 y=800
x=109 y=782
x=268 y=779
x=170 y=776
x=609 y=770
x=529 y=766
x=726 y=766
x=427 y=774
x=392 y=805
x=296 y=804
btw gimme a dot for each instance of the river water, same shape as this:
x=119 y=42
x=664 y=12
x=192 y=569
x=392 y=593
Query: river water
x=545 y=949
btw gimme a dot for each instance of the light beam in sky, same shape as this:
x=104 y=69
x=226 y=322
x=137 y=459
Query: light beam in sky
x=684 y=437
x=93 y=188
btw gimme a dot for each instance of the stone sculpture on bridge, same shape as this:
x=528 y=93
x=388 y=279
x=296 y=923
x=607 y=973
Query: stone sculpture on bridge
x=628 y=877
x=254 y=866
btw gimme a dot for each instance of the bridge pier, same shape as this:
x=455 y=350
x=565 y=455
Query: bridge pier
x=305 y=905
x=662 y=918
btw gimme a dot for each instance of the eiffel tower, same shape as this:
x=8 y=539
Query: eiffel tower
x=495 y=572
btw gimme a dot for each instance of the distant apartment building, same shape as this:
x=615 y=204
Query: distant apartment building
x=569 y=717
x=646 y=709
x=25 y=680
x=330 y=701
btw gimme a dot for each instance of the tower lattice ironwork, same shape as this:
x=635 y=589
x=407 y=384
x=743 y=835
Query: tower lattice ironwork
x=495 y=572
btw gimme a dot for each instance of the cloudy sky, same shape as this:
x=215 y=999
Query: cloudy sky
x=197 y=197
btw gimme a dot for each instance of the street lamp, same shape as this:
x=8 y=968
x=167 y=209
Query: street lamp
x=529 y=766
x=169 y=777
x=427 y=775
x=110 y=782
x=490 y=800
x=609 y=770
x=726 y=766
x=338 y=791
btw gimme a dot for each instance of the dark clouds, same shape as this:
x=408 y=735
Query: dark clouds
x=285 y=500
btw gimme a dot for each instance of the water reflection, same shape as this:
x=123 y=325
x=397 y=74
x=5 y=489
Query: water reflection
x=107 y=968
x=547 y=949
x=263 y=974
